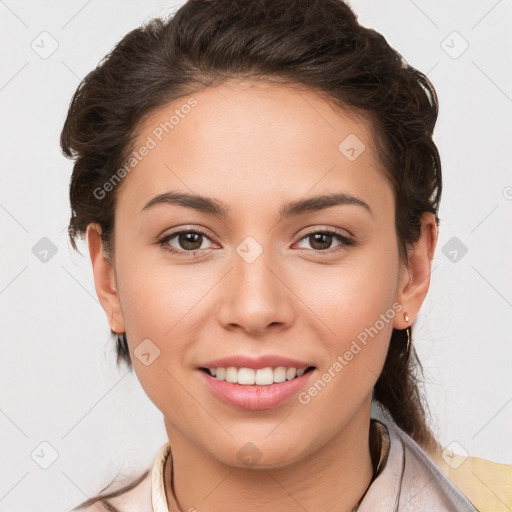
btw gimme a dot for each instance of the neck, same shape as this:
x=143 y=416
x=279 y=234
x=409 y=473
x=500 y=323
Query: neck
x=337 y=475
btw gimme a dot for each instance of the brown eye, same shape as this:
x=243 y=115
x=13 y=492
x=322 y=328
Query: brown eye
x=323 y=240
x=189 y=240
x=186 y=242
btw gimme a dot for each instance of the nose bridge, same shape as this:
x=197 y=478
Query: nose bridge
x=254 y=296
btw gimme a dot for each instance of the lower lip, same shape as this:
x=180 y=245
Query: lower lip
x=256 y=398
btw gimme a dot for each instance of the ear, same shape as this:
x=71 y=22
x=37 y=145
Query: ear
x=415 y=277
x=105 y=279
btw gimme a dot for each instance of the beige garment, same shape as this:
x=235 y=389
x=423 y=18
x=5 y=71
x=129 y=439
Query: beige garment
x=487 y=484
x=410 y=480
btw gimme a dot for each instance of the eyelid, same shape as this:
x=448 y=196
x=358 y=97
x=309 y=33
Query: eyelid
x=344 y=233
x=185 y=229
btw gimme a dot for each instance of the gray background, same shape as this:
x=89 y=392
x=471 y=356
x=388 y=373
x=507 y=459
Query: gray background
x=58 y=375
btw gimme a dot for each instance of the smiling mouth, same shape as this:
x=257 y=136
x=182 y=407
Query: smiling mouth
x=260 y=377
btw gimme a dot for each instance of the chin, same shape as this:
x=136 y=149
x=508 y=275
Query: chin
x=260 y=452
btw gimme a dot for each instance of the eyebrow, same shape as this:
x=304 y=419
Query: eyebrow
x=292 y=209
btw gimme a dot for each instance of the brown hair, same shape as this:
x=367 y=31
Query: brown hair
x=318 y=45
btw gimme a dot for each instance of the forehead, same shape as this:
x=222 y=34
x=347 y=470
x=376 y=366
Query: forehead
x=252 y=138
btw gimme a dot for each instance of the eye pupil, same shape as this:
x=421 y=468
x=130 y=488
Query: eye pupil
x=189 y=238
x=318 y=237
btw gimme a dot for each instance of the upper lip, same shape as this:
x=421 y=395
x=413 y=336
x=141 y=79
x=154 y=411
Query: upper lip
x=241 y=361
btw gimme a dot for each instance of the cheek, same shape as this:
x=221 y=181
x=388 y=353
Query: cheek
x=155 y=295
x=359 y=315
x=164 y=311
x=359 y=307
x=354 y=295
x=157 y=304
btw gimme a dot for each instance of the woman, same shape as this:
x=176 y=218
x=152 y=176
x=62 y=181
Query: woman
x=259 y=190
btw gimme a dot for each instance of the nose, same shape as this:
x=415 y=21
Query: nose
x=254 y=296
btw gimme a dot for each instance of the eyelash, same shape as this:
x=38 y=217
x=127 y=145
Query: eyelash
x=163 y=242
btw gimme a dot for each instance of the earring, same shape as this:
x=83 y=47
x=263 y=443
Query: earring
x=408 y=331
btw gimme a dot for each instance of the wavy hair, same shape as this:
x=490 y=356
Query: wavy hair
x=318 y=45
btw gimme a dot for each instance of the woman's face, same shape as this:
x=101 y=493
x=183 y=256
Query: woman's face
x=260 y=280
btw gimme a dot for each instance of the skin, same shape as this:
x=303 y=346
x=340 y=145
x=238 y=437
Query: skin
x=255 y=146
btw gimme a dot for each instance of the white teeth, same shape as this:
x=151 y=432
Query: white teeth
x=231 y=374
x=280 y=374
x=245 y=376
x=260 y=377
x=291 y=373
x=263 y=376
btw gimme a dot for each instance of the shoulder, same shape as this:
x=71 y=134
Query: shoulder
x=487 y=484
x=131 y=495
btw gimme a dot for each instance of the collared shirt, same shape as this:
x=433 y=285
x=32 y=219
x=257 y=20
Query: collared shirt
x=411 y=481
x=408 y=480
